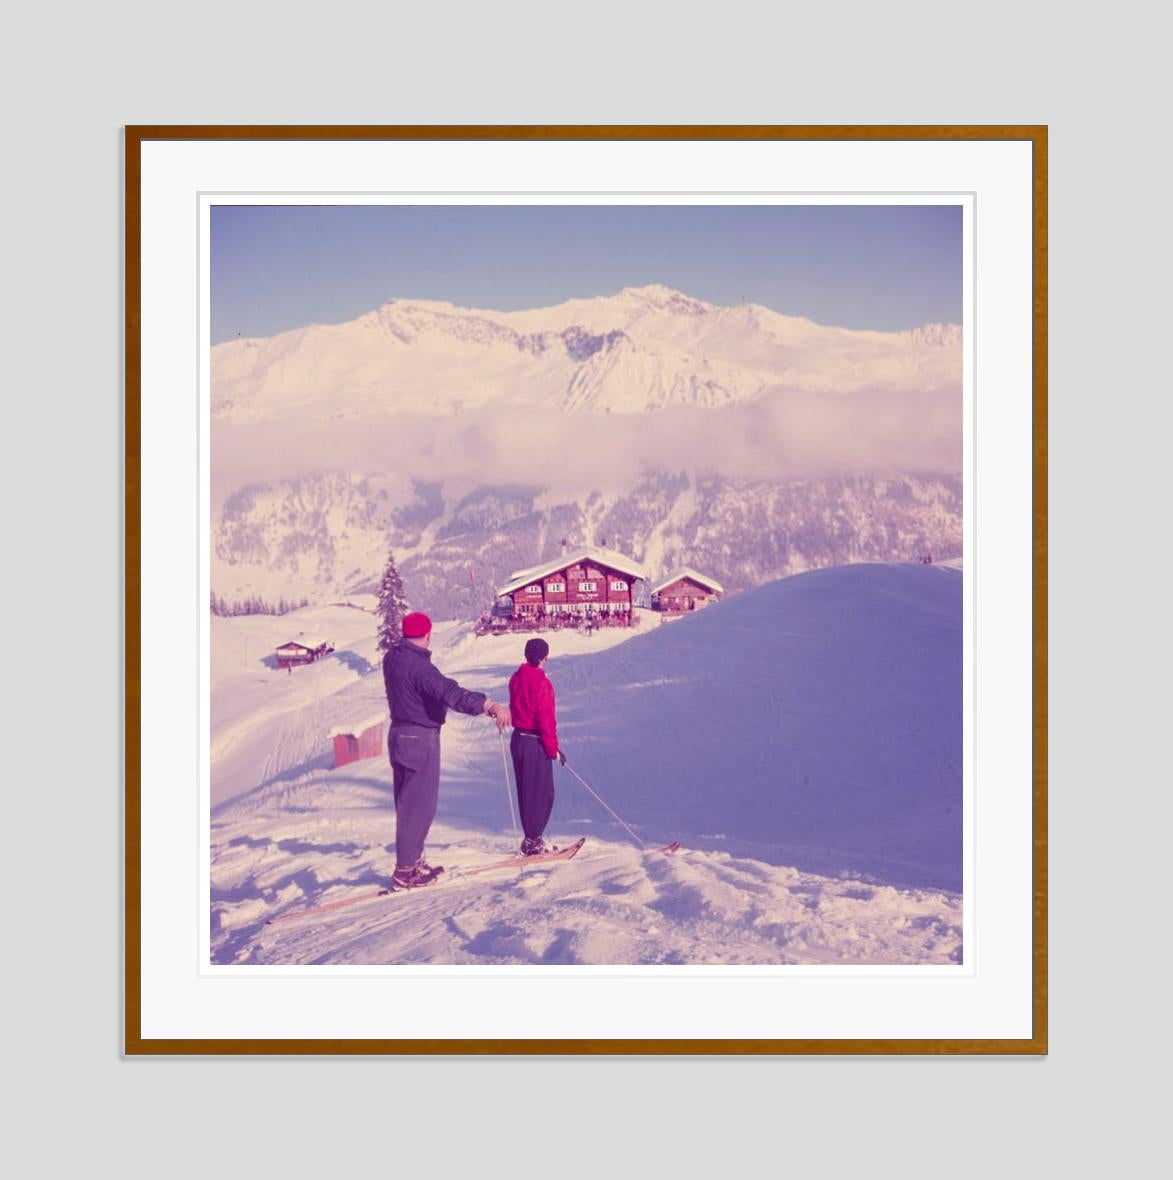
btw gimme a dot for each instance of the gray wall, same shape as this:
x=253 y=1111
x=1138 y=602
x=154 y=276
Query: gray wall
x=74 y=77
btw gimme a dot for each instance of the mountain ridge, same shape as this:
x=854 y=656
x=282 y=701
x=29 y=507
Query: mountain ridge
x=662 y=348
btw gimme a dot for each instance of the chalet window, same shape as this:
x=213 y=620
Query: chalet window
x=588 y=587
x=618 y=585
x=556 y=587
x=533 y=589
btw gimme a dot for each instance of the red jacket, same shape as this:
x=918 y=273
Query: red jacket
x=531 y=705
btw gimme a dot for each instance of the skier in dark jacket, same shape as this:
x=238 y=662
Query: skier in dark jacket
x=419 y=698
x=534 y=744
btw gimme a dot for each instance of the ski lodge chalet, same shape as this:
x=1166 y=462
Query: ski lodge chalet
x=683 y=591
x=591 y=587
x=303 y=650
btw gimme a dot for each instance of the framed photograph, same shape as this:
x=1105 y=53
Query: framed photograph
x=586 y=590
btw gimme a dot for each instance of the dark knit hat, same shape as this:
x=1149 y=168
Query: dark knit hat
x=416 y=625
x=536 y=650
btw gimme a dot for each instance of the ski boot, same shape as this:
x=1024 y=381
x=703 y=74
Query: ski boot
x=537 y=846
x=415 y=876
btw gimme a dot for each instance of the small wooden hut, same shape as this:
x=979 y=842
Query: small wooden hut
x=303 y=650
x=685 y=590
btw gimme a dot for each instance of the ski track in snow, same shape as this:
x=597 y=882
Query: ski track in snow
x=289 y=832
x=612 y=904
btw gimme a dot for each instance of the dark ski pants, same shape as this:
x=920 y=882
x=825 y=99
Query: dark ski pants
x=534 y=772
x=415 y=764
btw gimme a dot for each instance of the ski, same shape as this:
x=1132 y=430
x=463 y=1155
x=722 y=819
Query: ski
x=349 y=901
x=330 y=905
x=670 y=848
x=517 y=861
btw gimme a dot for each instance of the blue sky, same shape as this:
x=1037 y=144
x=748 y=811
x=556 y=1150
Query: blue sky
x=857 y=266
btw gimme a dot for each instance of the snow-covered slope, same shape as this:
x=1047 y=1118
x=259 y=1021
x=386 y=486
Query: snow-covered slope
x=642 y=349
x=271 y=728
x=816 y=719
x=803 y=741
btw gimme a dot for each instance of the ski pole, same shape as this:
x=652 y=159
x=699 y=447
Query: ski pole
x=508 y=785
x=604 y=803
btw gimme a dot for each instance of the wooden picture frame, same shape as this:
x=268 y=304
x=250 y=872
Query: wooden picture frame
x=146 y=1033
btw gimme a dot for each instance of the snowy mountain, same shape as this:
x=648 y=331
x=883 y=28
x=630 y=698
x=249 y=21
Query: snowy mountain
x=745 y=443
x=803 y=742
x=645 y=348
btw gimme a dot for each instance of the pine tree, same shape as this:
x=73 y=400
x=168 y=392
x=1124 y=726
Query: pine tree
x=392 y=606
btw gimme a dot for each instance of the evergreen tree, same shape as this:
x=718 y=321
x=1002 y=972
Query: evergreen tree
x=392 y=606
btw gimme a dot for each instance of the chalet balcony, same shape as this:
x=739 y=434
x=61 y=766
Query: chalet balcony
x=560 y=621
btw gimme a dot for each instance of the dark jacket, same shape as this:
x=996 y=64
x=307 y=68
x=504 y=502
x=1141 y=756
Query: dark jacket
x=531 y=705
x=418 y=693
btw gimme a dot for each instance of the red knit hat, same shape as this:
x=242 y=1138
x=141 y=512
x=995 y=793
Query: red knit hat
x=416 y=625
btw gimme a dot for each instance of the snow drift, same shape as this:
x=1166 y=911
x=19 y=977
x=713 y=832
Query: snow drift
x=816 y=720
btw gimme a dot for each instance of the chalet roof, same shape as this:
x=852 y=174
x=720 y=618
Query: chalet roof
x=605 y=557
x=309 y=642
x=688 y=572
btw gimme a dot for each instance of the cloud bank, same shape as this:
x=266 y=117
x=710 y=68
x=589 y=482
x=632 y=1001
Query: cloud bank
x=785 y=434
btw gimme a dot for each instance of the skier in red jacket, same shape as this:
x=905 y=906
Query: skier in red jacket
x=534 y=744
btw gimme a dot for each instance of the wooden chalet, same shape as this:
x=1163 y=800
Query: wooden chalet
x=589 y=588
x=685 y=590
x=304 y=650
